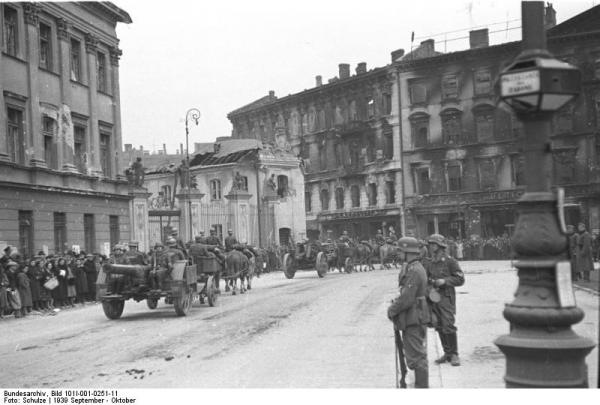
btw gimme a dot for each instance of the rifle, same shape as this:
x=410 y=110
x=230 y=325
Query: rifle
x=400 y=360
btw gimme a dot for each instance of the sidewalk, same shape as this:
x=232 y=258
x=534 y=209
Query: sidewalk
x=594 y=284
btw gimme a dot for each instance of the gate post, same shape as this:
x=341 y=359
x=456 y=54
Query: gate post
x=138 y=217
x=189 y=221
x=240 y=209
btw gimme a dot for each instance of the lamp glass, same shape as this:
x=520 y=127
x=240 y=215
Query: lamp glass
x=553 y=102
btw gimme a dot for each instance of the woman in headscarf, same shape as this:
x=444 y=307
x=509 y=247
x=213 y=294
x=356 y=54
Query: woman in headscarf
x=46 y=295
x=60 y=293
x=81 y=282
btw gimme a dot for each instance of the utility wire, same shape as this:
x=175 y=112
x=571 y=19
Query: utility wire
x=469 y=28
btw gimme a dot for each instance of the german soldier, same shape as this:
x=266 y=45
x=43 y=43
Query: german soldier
x=134 y=256
x=410 y=312
x=444 y=274
x=213 y=239
x=230 y=241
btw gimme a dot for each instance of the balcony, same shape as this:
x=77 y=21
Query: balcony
x=352 y=128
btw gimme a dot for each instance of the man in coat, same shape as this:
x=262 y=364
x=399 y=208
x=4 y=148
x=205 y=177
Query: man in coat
x=444 y=274
x=584 y=252
x=230 y=241
x=573 y=242
x=410 y=312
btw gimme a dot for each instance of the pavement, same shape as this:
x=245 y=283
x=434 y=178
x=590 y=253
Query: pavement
x=592 y=286
x=302 y=333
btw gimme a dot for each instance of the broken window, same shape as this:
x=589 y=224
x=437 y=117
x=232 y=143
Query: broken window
x=418 y=93
x=449 y=87
x=483 y=81
x=454 y=176
x=451 y=127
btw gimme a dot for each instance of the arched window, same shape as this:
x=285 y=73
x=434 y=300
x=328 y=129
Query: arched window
x=451 y=126
x=339 y=198
x=325 y=199
x=215 y=189
x=355 y=196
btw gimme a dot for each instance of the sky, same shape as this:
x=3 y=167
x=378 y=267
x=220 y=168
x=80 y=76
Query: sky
x=217 y=56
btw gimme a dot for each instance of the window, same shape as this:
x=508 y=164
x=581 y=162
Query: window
x=483 y=81
x=371 y=148
x=323 y=155
x=388 y=150
x=79 y=147
x=418 y=93
x=325 y=199
x=370 y=107
x=89 y=232
x=372 y=194
x=423 y=181
x=101 y=71
x=339 y=198
x=387 y=104
x=282 y=186
x=337 y=151
x=45 y=47
x=518 y=169
x=215 y=189
x=564 y=166
x=60 y=232
x=49 y=131
x=390 y=192
x=451 y=127
x=26 y=233
x=420 y=131
x=308 y=201
x=449 y=87
x=166 y=190
x=114 y=232
x=11 y=36
x=15 y=140
x=454 y=176
x=75 y=60
x=355 y=196
x=564 y=121
x=487 y=175
x=484 y=126
x=105 y=154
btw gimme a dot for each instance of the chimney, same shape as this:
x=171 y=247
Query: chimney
x=165 y=148
x=271 y=94
x=344 y=70
x=479 y=38
x=549 y=16
x=142 y=148
x=397 y=54
x=361 y=68
x=428 y=47
x=217 y=147
x=319 y=80
x=181 y=149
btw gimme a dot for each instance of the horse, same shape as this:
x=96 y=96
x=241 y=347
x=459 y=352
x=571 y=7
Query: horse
x=363 y=256
x=388 y=253
x=236 y=266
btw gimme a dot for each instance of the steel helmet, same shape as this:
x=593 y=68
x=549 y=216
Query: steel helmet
x=438 y=240
x=171 y=242
x=408 y=245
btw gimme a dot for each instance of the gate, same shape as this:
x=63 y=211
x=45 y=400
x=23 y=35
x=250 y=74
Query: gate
x=161 y=223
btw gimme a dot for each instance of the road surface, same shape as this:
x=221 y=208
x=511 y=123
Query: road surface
x=305 y=332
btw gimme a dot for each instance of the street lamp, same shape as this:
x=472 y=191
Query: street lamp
x=194 y=114
x=541 y=349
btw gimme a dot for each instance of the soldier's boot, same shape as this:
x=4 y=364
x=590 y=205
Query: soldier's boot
x=446 y=356
x=421 y=377
x=453 y=341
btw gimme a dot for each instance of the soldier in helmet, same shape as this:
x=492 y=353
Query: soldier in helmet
x=410 y=312
x=230 y=241
x=134 y=256
x=345 y=238
x=165 y=261
x=213 y=239
x=201 y=238
x=444 y=274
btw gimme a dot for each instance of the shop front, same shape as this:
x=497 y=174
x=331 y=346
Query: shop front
x=362 y=224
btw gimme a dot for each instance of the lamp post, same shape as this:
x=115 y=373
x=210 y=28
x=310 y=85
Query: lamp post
x=541 y=349
x=194 y=114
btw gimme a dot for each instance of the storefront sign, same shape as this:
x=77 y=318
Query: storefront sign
x=355 y=214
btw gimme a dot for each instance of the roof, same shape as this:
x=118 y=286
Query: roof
x=255 y=104
x=229 y=151
x=111 y=10
x=586 y=21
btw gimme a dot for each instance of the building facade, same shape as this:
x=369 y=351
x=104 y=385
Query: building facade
x=60 y=127
x=347 y=134
x=461 y=149
x=256 y=191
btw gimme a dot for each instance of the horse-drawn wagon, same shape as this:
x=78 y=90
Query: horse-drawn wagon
x=340 y=255
x=307 y=256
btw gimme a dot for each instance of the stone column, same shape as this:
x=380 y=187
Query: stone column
x=189 y=220
x=3 y=117
x=91 y=48
x=67 y=142
x=240 y=211
x=117 y=141
x=138 y=217
x=35 y=141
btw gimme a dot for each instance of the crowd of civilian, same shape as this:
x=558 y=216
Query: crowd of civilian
x=44 y=283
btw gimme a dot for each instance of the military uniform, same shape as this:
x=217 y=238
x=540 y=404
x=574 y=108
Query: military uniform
x=444 y=267
x=213 y=240
x=230 y=242
x=410 y=314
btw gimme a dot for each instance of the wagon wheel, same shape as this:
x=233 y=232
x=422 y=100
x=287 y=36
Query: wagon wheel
x=322 y=265
x=211 y=291
x=288 y=266
x=348 y=265
x=152 y=303
x=113 y=309
x=184 y=303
